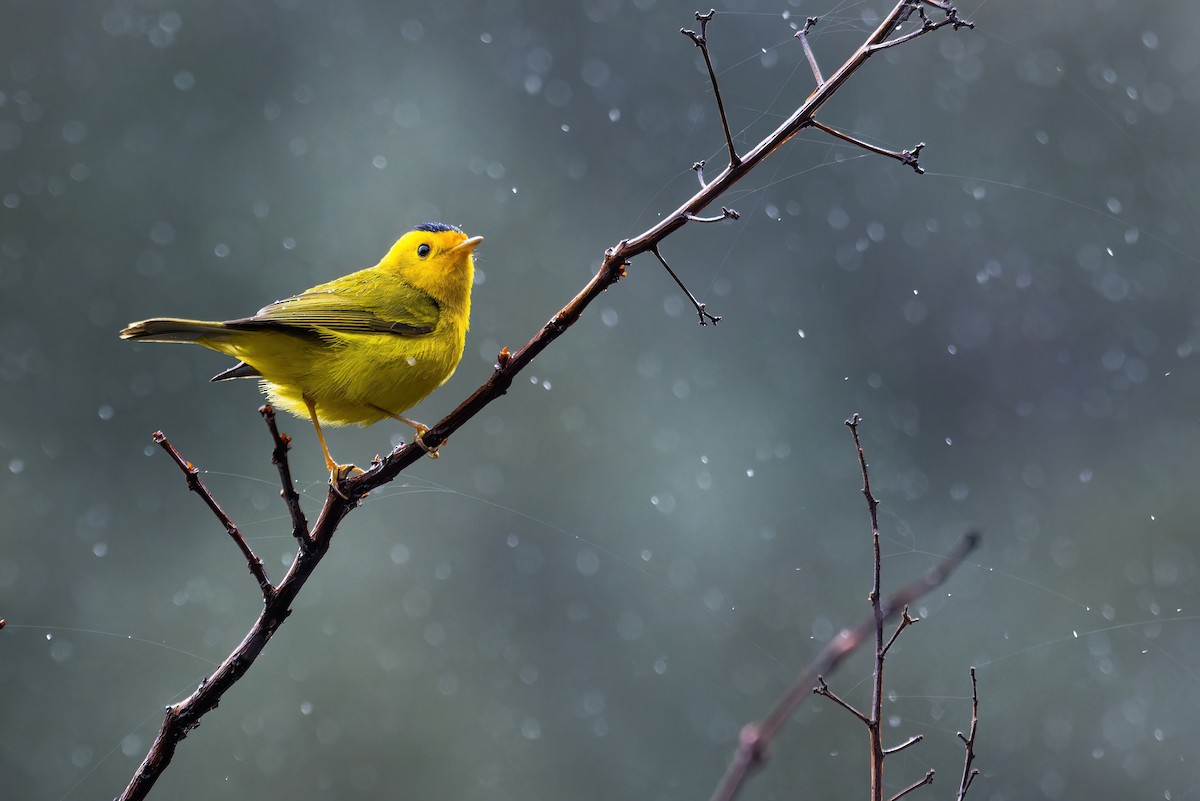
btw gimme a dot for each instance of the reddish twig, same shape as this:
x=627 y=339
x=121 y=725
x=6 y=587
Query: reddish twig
x=756 y=738
x=192 y=476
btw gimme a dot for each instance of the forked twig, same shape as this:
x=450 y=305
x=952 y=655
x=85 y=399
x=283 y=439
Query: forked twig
x=969 y=773
x=701 y=41
x=192 y=477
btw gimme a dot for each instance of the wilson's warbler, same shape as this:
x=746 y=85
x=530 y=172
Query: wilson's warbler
x=358 y=349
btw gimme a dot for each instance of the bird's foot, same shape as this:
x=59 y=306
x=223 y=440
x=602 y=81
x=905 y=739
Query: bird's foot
x=339 y=473
x=432 y=453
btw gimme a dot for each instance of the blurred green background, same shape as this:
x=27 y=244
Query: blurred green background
x=615 y=566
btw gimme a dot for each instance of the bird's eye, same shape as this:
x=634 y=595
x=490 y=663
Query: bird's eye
x=423 y=250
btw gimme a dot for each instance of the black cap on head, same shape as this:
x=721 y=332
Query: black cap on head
x=437 y=228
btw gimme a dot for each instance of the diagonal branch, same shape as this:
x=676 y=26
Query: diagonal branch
x=909 y=157
x=915 y=785
x=823 y=689
x=700 y=307
x=612 y=268
x=192 y=476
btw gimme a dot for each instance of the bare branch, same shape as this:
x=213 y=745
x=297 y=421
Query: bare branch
x=969 y=774
x=700 y=308
x=615 y=258
x=927 y=25
x=823 y=689
x=909 y=157
x=905 y=622
x=701 y=41
x=726 y=214
x=698 y=167
x=916 y=738
x=192 y=476
x=756 y=738
x=288 y=492
x=927 y=780
x=802 y=35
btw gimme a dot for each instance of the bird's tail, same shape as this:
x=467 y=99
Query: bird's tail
x=168 y=329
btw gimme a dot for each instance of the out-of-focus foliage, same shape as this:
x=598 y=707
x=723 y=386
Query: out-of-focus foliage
x=628 y=556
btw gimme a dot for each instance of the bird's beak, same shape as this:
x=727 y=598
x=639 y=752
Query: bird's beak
x=467 y=245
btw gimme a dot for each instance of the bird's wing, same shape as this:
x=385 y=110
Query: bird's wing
x=342 y=309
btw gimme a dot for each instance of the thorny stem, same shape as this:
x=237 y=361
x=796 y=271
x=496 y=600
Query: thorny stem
x=701 y=41
x=181 y=718
x=192 y=476
x=700 y=308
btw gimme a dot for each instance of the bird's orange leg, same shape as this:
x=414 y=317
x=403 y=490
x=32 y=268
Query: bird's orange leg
x=420 y=428
x=336 y=471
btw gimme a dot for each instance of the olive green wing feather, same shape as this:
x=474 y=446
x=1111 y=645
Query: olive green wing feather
x=347 y=308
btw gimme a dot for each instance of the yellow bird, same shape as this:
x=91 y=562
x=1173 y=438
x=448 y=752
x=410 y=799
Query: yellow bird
x=360 y=348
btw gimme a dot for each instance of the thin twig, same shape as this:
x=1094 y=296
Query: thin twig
x=927 y=25
x=969 y=774
x=895 y=749
x=921 y=783
x=823 y=689
x=756 y=738
x=701 y=41
x=698 y=168
x=875 y=716
x=726 y=214
x=802 y=35
x=909 y=157
x=288 y=491
x=192 y=476
x=700 y=308
x=905 y=622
